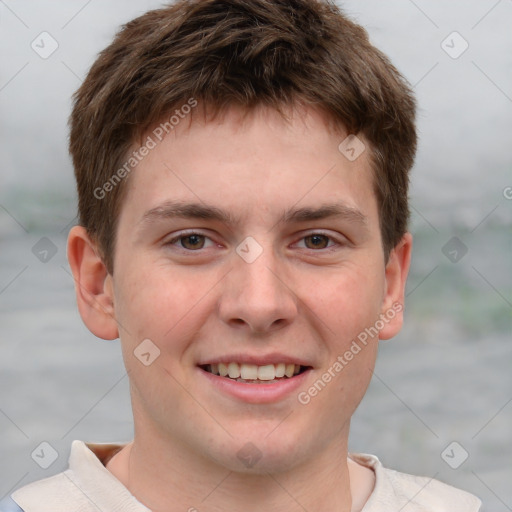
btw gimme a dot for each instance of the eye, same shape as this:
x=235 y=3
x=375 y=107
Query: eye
x=318 y=241
x=190 y=241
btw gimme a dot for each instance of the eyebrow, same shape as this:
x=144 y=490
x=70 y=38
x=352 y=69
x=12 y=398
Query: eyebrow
x=173 y=209
x=339 y=210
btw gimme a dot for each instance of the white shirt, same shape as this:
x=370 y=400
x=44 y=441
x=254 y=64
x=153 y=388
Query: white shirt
x=88 y=486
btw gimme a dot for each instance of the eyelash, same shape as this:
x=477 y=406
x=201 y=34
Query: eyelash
x=329 y=248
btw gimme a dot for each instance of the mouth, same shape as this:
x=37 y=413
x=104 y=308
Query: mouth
x=255 y=374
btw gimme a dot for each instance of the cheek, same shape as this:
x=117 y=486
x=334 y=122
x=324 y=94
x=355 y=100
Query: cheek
x=349 y=302
x=348 y=306
x=163 y=305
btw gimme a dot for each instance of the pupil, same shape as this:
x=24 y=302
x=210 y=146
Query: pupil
x=192 y=242
x=317 y=241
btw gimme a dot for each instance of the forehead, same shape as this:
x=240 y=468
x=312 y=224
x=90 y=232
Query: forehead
x=250 y=164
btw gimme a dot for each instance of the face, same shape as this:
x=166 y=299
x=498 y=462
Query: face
x=252 y=245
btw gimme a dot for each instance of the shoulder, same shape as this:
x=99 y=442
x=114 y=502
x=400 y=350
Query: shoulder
x=60 y=488
x=8 y=505
x=408 y=493
x=423 y=493
x=86 y=486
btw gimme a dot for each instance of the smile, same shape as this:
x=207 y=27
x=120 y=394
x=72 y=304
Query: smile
x=254 y=374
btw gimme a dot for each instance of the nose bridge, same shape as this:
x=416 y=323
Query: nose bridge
x=256 y=295
x=260 y=279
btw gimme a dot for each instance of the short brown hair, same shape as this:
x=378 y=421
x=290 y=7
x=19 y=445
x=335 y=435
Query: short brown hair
x=247 y=53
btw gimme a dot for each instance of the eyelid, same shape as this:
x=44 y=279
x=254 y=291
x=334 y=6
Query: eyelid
x=183 y=234
x=338 y=240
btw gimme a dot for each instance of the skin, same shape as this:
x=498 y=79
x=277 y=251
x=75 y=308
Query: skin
x=196 y=303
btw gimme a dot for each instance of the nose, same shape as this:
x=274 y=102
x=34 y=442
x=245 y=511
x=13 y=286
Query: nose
x=256 y=296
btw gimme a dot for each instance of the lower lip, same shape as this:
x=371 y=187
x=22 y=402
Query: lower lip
x=256 y=393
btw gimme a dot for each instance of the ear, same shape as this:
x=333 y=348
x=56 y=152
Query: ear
x=93 y=285
x=397 y=269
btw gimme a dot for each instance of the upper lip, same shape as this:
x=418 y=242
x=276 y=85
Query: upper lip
x=258 y=360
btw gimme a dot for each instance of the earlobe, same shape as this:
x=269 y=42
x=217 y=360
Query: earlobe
x=93 y=285
x=397 y=269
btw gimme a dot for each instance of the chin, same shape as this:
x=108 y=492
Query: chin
x=260 y=455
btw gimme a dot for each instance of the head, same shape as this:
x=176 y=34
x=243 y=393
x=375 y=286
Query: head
x=225 y=120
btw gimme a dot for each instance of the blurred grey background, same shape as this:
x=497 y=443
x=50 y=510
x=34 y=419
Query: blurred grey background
x=445 y=379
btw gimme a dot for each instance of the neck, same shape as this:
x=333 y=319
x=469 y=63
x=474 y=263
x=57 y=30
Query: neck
x=158 y=474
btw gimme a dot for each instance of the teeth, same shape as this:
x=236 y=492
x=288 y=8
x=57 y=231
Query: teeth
x=280 y=369
x=289 y=370
x=267 y=372
x=243 y=372
x=233 y=370
x=223 y=369
x=248 y=371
